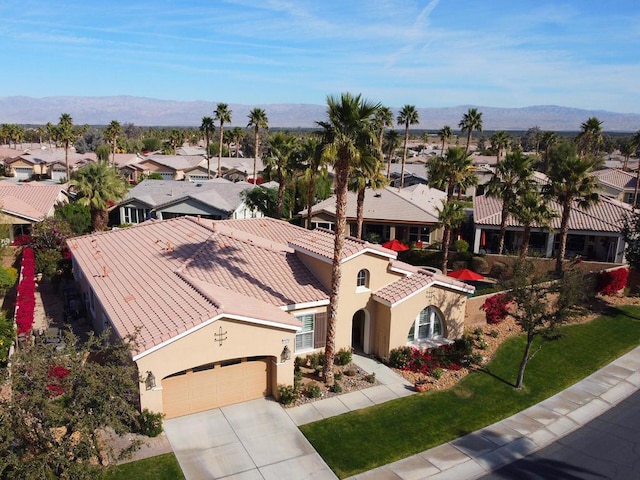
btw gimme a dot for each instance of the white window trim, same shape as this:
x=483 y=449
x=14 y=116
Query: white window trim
x=306 y=333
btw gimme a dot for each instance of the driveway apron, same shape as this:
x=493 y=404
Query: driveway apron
x=245 y=441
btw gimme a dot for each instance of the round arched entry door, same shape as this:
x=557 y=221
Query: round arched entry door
x=360 y=331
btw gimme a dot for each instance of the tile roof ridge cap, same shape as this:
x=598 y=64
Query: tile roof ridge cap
x=185 y=278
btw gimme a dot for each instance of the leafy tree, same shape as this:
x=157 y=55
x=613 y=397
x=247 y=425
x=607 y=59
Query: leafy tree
x=539 y=308
x=78 y=216
x=223 y=115
x=348 y=135
x=207 y=128
x=152 y=144
x=60 y=402
x=407 y=116
x=472 y=120
x=257 y=119
x=52 y=232
x=265 y=200
x=99 y=185
x=89 y=142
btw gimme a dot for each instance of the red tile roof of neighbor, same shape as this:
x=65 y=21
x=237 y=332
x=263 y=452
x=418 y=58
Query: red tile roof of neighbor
x=605 y=216
x=32 y=200
x=616 y=178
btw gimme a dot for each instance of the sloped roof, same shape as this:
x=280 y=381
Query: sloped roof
x=166 y=277
x=606 y=216
x=174 y=162
x=616 y=178
x=415 y=204
x=30 y=200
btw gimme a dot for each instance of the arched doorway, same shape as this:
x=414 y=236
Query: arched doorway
x=360 y=331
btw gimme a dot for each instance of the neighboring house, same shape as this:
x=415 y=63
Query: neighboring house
x=594 y=233
x=408 y=215
x=170 y=167
x=25 y=167
x=45 y=163
x=24 y=204
x=616 y=183
x=216 y=199
x=220 y=308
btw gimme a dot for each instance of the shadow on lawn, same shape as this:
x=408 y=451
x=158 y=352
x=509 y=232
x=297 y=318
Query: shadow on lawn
x=491 y=374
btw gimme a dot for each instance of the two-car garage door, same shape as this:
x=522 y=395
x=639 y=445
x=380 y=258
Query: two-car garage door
x=215 y=385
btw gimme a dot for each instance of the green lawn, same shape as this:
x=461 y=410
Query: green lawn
x=365 y=439
x=162 y=467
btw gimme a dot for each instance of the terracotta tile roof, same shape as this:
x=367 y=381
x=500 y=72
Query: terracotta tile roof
x=167 y=277
x=32 y=200
x=268 y=228
x=606 y=216
x=175 y=162
x=616 y=178
x=320 y=242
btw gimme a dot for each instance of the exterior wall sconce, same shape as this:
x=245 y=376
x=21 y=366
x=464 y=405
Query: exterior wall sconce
x=150 y=381
x=286 y=354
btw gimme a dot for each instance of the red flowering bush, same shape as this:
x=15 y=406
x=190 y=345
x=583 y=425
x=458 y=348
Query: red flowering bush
x=21 y=240
x=612 y=281
x=426 y=361
x=26 y=298
x=57 y=374
x=496 y=308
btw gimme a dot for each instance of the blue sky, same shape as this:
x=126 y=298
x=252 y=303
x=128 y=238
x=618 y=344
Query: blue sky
x=502 y=53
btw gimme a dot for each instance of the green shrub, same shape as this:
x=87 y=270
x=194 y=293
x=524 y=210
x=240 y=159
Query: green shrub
x=7 y=334
x=47 y=260
x=297 y=380
x=288 y=394
x=482 y=344
x=458 y=265
x=8 y=278
x=464 y=345
x=479 y=265
x=343 y=357
x=337 y=375
x=315 y=360
x=498 y=270
x=461 y=245
x=436 y=373
x=422 y=257
x=399 y=357
x=150 y=423
x=336 y=388
x=371 y=378
x=314 y=390
x=494 y=333
x=350 y=372
x=478 y=332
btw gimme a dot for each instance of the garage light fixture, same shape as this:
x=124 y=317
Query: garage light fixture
x=286 y=354
x=150 y=381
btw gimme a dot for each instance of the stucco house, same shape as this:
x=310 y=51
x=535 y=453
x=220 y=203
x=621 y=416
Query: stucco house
x=221 y=308
x=407 y=214
x=216 y=199
x=616 y=183
x=594 y=233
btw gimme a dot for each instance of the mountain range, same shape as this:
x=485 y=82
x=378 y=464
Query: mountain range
x=154 y=112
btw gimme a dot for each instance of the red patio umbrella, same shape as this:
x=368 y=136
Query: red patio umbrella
x=465 y=274
x=395 y=245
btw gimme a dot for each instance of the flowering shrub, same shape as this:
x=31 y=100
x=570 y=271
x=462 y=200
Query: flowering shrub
x=21 y=240
x=612 y=281
x=57 y=374
x=449 y=356
x=26 y=298
x=496 y=308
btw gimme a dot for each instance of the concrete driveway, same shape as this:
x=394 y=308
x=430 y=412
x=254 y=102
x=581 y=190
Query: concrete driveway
x=246 y=441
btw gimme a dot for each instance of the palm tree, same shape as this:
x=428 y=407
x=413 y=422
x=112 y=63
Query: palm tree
x=65 y=134
x=571 y=183
x=530 y=209
x=451 y=171
x=98 y=184
x=348 y=135
x=382 y=119
x=450 y=217
x=176 y=139
x=237 y=134
x=627 y=148
x=408 y=115
x=590 y=136
x=511 y=178
x=445 y=134
x=257 y=119
x=284 y=152
x=315 y=163
x=549 y=139
x=207 y=128
x=50 y=130
x=391 y=141
x=499 y=142
x=472 y=120
x=111 y=134
x=222 y=115
x=366 y=173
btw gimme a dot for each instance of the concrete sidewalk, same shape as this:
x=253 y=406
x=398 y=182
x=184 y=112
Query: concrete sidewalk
x=497 y=445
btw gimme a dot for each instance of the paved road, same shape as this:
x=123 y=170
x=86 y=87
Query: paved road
x=605 y=448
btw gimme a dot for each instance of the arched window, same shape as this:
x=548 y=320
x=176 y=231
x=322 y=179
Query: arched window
x=427 y=325
x=363 y=279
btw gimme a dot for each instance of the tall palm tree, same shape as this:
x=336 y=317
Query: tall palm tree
x=511 y=178
x=590 y=136
x=97 y=185
x=257 y=119
x=472 y=120
x=348 y=135
x=223 y=115
x=453 y=170
x=635 y=140
x=65 y=135
x=391 y=142
x=382 y=119
x=571 y=183
x=366 y=173
x=445 y=134
x=284 y=152
x=207 y=128
x=531 y=209
x=407 y=116
x=315 y=163
x=549 y=139
x=237 y=134
x=450 y=217
x=500 y=142
x=111 y=134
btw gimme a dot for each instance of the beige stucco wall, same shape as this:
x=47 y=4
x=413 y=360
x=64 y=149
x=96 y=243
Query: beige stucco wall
x=200 y=347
